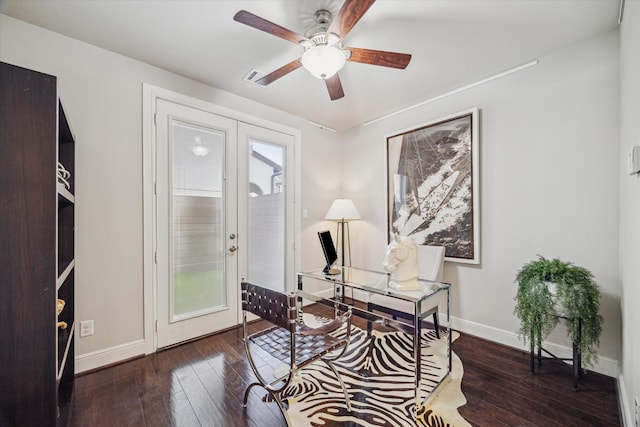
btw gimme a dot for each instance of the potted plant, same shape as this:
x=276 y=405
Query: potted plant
x=575 y=295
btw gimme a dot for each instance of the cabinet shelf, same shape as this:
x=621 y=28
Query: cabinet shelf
x=65 y=337
x=64 y=195
x=65 y=235
x=65 y=273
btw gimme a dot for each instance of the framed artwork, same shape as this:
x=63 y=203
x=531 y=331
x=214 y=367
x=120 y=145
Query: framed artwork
x=432 y=185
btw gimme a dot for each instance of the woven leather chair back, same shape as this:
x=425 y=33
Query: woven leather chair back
x=276 y=307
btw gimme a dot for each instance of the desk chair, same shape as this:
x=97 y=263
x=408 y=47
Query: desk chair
x=289 y=339
x=431 y=266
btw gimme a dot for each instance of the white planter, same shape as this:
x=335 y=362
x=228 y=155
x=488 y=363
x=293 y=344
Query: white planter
x=553 y=290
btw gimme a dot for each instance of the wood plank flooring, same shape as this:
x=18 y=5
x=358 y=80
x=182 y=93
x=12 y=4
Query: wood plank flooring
x=202 y=383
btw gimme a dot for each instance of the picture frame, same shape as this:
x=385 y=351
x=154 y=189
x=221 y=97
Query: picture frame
x=433 y=185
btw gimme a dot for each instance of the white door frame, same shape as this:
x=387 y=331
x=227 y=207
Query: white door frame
x=150 y=94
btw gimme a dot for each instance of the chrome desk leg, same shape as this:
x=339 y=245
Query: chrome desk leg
x=449 y=350
x=417 y=353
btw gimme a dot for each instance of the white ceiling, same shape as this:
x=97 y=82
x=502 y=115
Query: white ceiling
x=453 y=43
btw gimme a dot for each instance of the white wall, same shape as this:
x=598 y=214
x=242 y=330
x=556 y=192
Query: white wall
x=549 y=171
x=630 y=207
x=102 y=95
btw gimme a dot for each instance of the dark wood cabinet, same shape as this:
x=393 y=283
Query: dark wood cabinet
x=36 y=251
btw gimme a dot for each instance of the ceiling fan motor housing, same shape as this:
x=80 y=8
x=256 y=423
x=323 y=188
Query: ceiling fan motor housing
x=317 y=33
x=323 y=19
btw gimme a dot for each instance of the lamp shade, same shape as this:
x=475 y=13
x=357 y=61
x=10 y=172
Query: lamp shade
x=323 y=61
x=342 y=210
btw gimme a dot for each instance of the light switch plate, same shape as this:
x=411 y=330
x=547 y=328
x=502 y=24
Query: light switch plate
x=86 y=328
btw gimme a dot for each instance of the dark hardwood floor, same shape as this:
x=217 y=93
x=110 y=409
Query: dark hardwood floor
x=202 y=383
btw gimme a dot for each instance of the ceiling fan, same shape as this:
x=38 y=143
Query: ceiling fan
x=324 y=54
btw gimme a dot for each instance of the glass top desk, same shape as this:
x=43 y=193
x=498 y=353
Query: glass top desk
x=328 y=289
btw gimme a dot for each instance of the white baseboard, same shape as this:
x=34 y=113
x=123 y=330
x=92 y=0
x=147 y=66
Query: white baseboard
x=626 y=404
x=605 y=365
x=108 y=356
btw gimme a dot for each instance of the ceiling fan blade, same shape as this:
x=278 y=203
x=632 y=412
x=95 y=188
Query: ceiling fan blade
x=348 y=16
x=255 y=21
x=335 y=87
x=282 y=71
x=379 y=57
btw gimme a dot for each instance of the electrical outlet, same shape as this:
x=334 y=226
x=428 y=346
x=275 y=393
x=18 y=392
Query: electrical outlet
x=86 y=328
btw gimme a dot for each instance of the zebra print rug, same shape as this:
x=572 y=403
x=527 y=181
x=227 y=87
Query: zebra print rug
x=378 y=373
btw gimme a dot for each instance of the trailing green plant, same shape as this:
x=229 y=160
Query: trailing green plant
x=577 y=294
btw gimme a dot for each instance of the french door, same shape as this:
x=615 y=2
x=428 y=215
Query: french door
x=266 y=206
x=196 y=210
x=223 y=211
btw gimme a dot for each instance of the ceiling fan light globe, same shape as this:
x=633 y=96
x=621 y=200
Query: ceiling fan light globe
x=323 y=62
x=198 y=148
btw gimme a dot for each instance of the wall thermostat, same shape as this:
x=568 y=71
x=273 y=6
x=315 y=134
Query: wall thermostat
x=634 y=160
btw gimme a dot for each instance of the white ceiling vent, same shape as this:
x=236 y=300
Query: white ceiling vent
x=254 y=75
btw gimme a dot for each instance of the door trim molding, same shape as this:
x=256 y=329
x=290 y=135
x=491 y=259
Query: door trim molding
x=150 y=94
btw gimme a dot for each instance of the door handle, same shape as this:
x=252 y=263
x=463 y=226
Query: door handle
x=232 y=248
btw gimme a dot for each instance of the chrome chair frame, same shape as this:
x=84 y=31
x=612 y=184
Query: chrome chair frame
x=289 y=339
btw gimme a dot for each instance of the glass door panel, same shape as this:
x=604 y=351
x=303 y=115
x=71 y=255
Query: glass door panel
x=267 y=200
x=197 y=282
